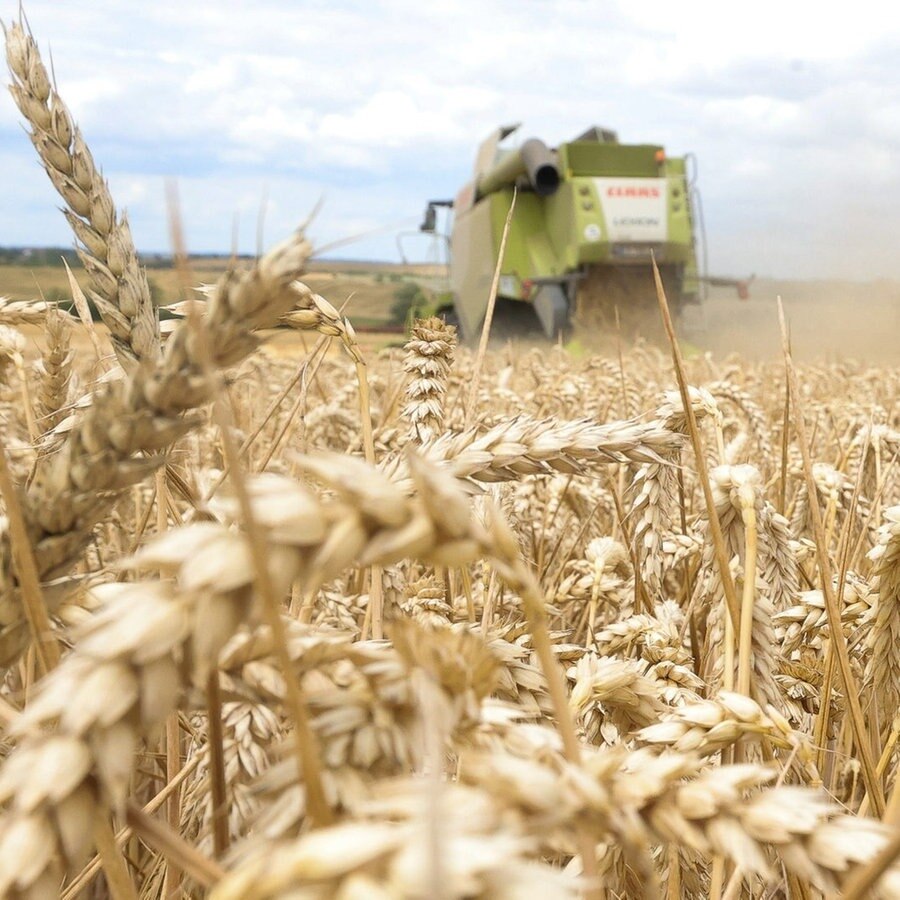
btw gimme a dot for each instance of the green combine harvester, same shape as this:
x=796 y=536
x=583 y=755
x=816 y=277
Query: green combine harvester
x=589 y=217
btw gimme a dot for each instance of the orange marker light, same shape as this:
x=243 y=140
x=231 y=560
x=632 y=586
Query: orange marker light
x=660 y=156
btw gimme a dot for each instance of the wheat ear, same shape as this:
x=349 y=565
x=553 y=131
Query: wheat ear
x=119 y=285
x=112 y=445
x=883 y=670
x=123 y=678
x=56 y=371
x=24 y=312
x=428 y=360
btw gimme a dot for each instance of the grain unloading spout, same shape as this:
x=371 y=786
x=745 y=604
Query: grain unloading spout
x=534 y=160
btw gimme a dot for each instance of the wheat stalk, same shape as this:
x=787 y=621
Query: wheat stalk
x=883 y=670
x=119 y=285
x=143 y=414
x=653 y=490
x=428 y=360
x=56 y=371
x=525 y=446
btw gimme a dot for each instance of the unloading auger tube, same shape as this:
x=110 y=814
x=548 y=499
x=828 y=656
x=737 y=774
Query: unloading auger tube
x=534 y=160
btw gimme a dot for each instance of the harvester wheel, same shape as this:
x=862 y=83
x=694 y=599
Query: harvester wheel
x=514 y=320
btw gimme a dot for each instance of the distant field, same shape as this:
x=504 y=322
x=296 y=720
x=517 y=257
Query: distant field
x=21 y=282
x=367 y=289
x=828 y=318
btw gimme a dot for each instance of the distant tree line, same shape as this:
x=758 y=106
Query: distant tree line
x=38 y=256
x=53 y=256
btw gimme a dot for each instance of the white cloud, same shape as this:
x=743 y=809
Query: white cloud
x=266 y=128
x=387 y=119
x=221 y=75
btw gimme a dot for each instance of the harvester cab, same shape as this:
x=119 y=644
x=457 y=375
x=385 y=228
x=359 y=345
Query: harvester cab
x=589 y=217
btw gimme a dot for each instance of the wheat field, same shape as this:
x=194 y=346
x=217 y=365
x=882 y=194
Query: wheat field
x=432 y=622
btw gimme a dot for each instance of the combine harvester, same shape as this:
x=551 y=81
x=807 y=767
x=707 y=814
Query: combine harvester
x=589 y=217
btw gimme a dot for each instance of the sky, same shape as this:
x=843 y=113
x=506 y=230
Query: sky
x=793 y=112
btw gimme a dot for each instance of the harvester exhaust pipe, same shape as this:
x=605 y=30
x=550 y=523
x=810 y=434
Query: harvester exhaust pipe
x=533 y=159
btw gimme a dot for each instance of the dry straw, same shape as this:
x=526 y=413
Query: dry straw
x=603 y=666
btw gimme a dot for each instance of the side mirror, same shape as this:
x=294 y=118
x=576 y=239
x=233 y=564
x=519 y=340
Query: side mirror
x=430 y=221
